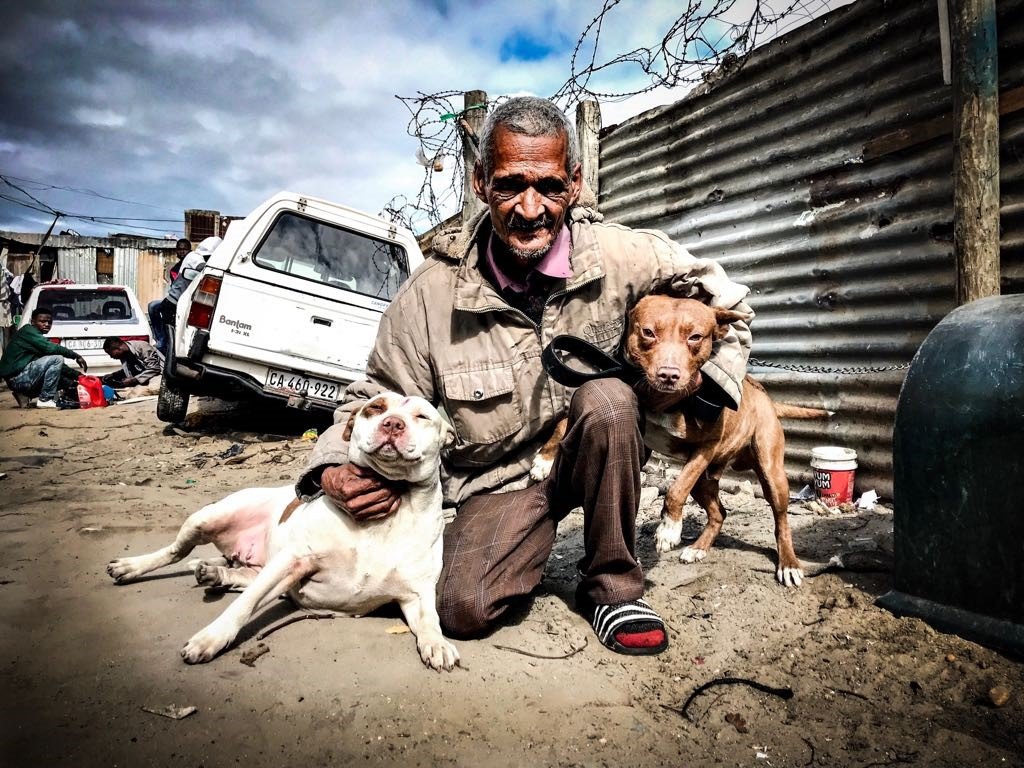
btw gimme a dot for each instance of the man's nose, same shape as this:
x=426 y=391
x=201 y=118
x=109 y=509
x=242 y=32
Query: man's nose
x=531 y=204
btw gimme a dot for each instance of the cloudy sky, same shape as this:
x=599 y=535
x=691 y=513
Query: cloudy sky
x=172 y=105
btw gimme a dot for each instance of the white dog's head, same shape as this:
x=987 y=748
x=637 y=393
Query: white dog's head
x=399 y=437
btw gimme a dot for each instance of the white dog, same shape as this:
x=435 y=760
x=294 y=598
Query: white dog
x=274 y=544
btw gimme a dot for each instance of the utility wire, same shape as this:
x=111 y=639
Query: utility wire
x=88 y=192
x=11 y=184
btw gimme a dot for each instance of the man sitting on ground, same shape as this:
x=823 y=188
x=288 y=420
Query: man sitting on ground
x=141 y=364
x=34 y=366
x=467 y=332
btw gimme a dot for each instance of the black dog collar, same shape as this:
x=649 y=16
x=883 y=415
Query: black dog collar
x=606 y=366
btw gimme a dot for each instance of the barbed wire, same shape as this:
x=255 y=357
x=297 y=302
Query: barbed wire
x=706 y=37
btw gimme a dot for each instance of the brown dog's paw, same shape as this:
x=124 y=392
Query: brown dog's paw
x=790 y=577
x=692 y=555
x=668 y=535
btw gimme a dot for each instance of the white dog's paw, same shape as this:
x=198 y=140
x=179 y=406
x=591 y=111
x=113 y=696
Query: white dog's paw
x=124 y=569
x=204 y=645
x=692 y=555
x=790 y=577
x=541 y=467
x=208 y=575
x=668 y=535
x=437 y=653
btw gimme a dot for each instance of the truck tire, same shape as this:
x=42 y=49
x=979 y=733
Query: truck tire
x=171 y=404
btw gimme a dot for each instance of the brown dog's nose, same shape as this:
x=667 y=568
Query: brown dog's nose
x=393 y=425
x=668 y=376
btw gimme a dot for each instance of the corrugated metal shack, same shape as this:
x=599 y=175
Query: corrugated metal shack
x=820 y=174
x=138 y=262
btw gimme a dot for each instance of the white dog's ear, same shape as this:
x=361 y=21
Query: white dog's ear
x=449 y=432
x=347 y=434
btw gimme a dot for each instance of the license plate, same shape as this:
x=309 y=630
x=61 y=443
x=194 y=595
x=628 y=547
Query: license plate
x=310 y=386
x=83 y=343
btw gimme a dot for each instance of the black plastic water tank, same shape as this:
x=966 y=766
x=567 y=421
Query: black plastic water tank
x=958 y=476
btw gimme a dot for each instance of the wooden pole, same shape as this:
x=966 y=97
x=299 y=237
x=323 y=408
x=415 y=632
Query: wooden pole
x=474 y=106
x=588 y=133
x=976 y=149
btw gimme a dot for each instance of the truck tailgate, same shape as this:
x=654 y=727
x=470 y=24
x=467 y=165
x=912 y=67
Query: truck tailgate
x=317 y=333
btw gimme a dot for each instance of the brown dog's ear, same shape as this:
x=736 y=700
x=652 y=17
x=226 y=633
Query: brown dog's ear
x=725 y=317
x=347 y=434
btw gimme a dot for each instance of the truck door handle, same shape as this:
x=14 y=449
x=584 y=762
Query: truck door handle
x=322 y=321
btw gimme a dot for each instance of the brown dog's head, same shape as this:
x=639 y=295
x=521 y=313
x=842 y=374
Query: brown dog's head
x=669 y=339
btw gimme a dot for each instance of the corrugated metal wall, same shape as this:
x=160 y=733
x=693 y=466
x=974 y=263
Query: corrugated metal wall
x=78 y=264
x=126 y=265
x=820 y=174
x=150 y=282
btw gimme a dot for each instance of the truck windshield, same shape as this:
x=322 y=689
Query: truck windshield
x=318 y=251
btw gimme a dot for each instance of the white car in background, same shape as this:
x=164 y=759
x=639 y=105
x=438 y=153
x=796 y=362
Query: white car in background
x=287 y=307
x=84 y=314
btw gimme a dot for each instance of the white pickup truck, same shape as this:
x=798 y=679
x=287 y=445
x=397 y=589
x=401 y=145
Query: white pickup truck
x=287 y=307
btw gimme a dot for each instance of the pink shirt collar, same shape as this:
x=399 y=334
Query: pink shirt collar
x=554 y=264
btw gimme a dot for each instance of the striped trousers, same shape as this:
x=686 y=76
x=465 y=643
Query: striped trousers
x=496 y=548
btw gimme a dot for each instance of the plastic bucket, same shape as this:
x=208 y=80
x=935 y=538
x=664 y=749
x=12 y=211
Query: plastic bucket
x=834 y=468
x=90 y=393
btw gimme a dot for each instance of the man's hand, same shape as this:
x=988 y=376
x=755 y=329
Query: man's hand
x=131 y=381
x=361 y=493
x=81 y=363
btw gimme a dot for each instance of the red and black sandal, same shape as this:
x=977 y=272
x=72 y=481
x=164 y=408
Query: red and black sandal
x=632 y=628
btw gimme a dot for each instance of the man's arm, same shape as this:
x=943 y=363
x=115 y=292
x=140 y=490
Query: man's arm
x=42 y=346
x=398 y=363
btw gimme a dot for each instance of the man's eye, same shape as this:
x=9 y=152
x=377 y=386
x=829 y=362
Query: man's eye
x=506 y=188
x=552 y=188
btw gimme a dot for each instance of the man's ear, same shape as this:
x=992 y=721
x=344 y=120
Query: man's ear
x=723 y=318
x=479 y=182
x=347 y=434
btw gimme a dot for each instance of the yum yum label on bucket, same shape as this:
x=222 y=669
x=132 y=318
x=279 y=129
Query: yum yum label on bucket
x=833 y=470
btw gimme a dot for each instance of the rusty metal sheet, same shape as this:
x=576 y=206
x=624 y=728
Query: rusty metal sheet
x=820 y=174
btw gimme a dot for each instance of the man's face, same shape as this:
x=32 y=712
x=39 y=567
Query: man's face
x=43 y=322
x=528 y=193
x=182 y=249
x=118 y=351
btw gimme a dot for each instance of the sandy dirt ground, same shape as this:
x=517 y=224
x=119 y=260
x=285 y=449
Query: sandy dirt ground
x=84 y=661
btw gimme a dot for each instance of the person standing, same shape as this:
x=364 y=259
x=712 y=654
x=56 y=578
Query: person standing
x=191 y=266
x=182 y=248
x=33 y=365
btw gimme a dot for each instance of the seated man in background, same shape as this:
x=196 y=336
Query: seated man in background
x=141 y=364
x=34 y=366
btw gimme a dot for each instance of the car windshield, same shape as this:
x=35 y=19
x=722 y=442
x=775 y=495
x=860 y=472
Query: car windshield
x=317 y=251
x=78 y=304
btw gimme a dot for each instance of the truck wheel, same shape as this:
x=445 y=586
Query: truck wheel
x=171 y=404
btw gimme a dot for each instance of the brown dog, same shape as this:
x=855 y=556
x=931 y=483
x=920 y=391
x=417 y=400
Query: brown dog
x=669 y=339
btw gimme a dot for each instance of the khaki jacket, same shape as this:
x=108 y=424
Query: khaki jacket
x=448 y=336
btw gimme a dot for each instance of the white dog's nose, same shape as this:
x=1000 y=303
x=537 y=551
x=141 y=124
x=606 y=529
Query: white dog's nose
x=393 y=425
